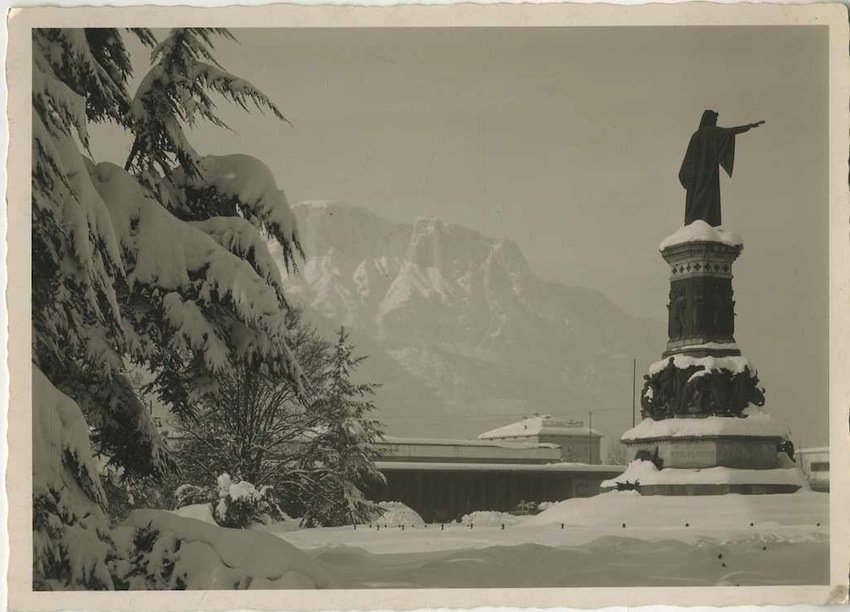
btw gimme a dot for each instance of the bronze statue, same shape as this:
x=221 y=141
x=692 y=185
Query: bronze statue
x=710 y=148
x=692 y=390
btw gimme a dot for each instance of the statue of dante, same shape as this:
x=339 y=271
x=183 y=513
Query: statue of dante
x=710 y=147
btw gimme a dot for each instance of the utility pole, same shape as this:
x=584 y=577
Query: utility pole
x=590 y=437
x=634 y=388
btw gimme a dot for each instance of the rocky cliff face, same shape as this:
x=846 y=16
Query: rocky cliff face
x=463 y=335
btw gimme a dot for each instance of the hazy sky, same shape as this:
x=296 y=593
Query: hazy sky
x=568 y=141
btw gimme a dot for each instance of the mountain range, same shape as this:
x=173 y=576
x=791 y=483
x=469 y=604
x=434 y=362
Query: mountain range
x=460 y=332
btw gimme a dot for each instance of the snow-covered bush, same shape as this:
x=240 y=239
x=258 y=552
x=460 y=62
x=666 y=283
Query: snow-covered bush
x=241 y=503
x=235 y=504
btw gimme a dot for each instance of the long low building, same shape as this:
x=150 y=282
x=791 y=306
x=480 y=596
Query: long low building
x=393 y=448
x=444 y=479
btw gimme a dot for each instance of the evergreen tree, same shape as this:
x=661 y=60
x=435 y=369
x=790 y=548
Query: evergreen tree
x=315 y=450
x=343 y=452
x=232 y=200
x=122 y=282
x=256 y=426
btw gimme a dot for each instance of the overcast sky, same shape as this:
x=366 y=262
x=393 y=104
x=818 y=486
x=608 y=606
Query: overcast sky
x=568 y=141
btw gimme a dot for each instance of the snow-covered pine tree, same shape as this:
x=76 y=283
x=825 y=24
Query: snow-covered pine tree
x=120 y=282
x=343 y=452
x=78 y=341
x=232 y=200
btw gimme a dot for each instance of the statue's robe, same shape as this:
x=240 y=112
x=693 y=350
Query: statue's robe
x=710 y=148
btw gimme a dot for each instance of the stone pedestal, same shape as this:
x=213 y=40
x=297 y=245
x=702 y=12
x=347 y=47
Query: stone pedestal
x=701 y=311
x=702 y=432
x=720 y=489
x=740 y=452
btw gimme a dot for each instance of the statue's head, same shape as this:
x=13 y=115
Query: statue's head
x=709 y=119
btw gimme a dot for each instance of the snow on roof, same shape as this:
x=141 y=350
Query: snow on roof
x=452 y=442
x=700 y=231
x=540 y=424
x=445 y=466
x=813 y=449
x=756 y=423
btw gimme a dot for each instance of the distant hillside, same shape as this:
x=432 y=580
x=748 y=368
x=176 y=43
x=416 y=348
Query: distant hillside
x=462 y=334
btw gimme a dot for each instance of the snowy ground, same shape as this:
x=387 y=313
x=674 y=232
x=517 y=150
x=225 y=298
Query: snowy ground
x=676 y=541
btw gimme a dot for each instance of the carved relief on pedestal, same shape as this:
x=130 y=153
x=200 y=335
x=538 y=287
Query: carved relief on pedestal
x=701 y=309
x=699 y=389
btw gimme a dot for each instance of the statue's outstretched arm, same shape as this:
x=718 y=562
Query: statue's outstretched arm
x=746 y=128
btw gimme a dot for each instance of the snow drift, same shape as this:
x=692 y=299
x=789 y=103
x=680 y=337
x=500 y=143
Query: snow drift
x=645 y=473
x=705 y=511
x=396 y=514
x=173 y=552
x=489 y=518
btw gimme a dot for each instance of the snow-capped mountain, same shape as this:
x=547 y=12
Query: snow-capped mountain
x=462 y=334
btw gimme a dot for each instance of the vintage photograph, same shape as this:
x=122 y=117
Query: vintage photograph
x=425 y=307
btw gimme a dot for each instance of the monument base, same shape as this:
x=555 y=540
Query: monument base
x=719 y=489
x=645 y=477
x=708 y=456
x=745 y=452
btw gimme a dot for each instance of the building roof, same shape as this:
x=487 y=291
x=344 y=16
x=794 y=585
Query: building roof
x=541 y=424
x=518 y=445
x=445 y=466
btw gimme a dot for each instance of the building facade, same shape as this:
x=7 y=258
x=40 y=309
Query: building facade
x=444 y=479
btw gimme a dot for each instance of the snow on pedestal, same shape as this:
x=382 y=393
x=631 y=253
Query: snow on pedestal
x=754 y=423
x=749 y=442
x=648 y=480
x=734 y=364
x=700 y=231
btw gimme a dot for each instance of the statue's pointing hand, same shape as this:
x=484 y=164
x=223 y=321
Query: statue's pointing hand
x=756 y=124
